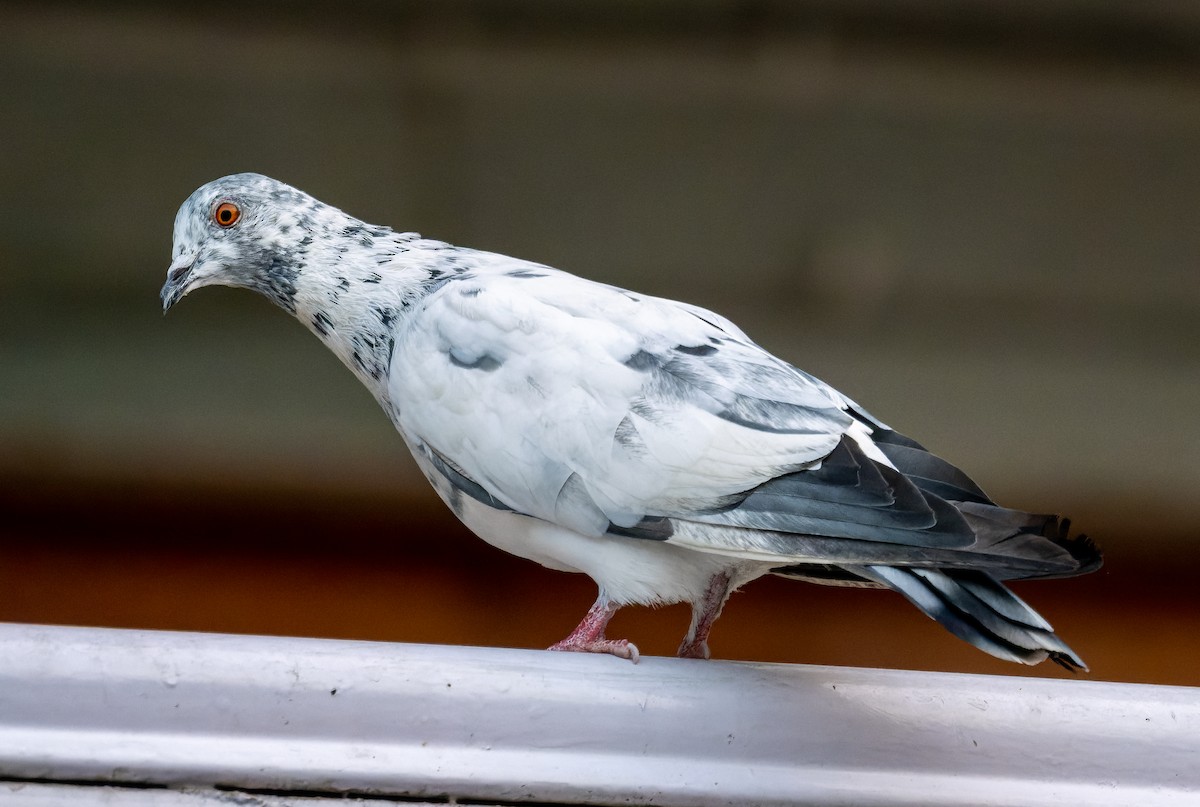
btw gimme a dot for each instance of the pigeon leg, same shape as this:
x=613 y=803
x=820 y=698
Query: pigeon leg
x=704 y=614
x=588 y=636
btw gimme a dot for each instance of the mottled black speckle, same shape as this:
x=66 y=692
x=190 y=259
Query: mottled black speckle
x=374 y=277
x=653 y=528
x=472 y=292
x=343 y=283
x=365 y=236
x=372 y=351
x=386 y=314
x=644 y=361
x=485 y=362
x=276 y=277
x=525 y=273
x=322 y=323
x=696 y=350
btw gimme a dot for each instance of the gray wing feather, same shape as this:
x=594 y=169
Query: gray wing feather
x=462 y=483
x=741 y=385
x=931 y=473
x=848 y=496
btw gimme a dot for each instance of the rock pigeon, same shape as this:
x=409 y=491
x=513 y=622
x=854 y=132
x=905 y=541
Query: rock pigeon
x=647 y=443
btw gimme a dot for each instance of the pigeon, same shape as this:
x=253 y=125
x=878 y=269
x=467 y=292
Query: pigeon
x=647 y=443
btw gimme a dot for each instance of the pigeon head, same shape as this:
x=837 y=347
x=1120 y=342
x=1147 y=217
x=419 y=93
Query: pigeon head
x=248 y=231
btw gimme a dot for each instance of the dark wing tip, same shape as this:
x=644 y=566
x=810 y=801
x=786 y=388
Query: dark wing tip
x=1082 y=548
x=1085 y=550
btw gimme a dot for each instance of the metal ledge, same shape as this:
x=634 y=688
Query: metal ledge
x=207 y=714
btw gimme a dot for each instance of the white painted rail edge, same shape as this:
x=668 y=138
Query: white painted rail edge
x=81 y=708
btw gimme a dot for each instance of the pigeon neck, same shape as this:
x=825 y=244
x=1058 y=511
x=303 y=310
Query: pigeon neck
x=356 y=300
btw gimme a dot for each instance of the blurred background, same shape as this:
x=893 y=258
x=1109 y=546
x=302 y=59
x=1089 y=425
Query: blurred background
x=976 y=217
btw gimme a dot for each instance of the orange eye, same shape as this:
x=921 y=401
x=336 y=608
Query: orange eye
x=227 y=214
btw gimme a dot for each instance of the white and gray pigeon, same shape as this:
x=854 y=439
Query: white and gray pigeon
x=647 y=443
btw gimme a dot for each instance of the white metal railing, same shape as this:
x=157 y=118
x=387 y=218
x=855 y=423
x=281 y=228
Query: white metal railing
x=205 y=714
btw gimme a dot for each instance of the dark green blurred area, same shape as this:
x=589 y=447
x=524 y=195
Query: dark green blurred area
x=979 y=219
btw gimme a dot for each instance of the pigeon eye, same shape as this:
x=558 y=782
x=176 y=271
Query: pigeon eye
x=227 y=214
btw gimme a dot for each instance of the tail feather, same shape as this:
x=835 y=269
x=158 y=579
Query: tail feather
x=977 y=609
x=1001 y=600
x=1014 y=631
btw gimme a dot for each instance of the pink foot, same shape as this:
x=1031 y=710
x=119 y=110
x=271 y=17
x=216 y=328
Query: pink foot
x=588 y=636
x=621 y=648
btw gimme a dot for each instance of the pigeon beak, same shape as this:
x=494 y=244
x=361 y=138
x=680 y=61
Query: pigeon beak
x=178 y=275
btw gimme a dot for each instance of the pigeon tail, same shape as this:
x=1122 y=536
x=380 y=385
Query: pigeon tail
x=976 y=608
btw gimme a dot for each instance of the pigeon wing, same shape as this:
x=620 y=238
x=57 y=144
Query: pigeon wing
x=614 y=413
